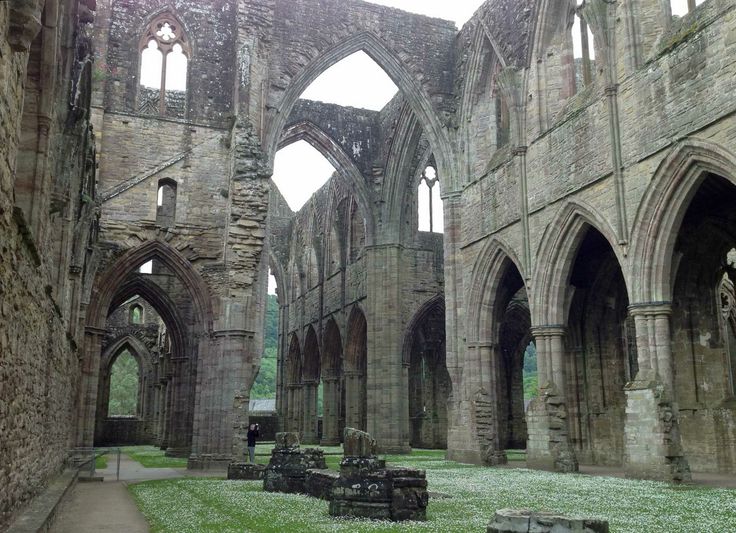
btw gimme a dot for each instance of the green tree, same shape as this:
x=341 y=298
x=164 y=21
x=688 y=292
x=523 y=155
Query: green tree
x=531 y=380
x=124 y=386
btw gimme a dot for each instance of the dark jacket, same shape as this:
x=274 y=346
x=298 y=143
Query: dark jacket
x=252 y=436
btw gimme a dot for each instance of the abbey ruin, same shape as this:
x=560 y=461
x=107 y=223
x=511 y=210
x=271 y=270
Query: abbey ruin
x=587 y=206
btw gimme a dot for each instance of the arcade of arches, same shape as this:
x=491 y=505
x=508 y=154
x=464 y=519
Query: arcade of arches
x=525 y=190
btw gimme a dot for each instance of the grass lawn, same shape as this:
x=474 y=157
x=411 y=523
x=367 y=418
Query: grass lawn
x=208 y=505
x=101 y=462
x=153 y=457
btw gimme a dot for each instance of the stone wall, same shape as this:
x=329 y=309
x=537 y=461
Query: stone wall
x=41 y=271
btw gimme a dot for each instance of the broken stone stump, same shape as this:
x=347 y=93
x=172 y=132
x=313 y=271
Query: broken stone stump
x=287 y=469
x=318 y=483
x=367 y=489
x=358 y=443
x=523 y=520
x=245 y=471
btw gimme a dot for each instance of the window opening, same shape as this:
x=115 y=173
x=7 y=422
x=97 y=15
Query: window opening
x=166 y=203
x=299 y=170
x=146 y=268
x=430 y=202
x=164 y=66
x=681 y=8
x=124 y=385
x=583 y=51
x=136 y=314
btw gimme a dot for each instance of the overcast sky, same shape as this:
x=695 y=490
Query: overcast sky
x=357 y=81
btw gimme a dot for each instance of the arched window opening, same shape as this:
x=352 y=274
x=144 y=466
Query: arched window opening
x=299 y=170
x=583 y=52
x=124 y=384
x=136 y=314
x=166 y=203
x=164 y=67
x=680 y=8
x=335 y=252
x=430 y=203
x=294 y=282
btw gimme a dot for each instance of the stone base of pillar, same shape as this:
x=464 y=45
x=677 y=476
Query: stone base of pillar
x=548 y=445
x=178 y=452
x=652 y=443
x=394 y=449
x=471 y=457
x=206 y=461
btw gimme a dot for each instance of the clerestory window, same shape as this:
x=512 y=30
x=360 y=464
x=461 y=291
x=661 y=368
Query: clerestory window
x=165 y=57
x=430 y=202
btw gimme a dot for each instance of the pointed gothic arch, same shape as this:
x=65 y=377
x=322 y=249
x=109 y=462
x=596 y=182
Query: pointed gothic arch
x=374 y=47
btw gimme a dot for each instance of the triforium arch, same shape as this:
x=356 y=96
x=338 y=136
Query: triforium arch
x=429 y=381
x=333 y=419
x=305 y=130
x=683 y=306
x=356 y=370
x=372 y=45
x=581 y=338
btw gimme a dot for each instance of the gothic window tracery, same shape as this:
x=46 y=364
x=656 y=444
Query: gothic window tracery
x=583 y=50
x=727 y=305
x=165 y=54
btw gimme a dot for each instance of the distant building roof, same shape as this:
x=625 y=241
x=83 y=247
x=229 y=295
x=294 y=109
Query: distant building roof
x=262 y=406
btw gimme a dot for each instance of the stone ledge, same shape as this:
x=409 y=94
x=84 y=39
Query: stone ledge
x=247 y=471
x=40 y=514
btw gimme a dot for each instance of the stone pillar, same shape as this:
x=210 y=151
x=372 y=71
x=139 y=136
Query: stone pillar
x=89 y=386
x=331 y=411
x=179 y=444
x=354 y=408
x=548 y=445
x=652 y=442
x=387 y=384
x=309 y=433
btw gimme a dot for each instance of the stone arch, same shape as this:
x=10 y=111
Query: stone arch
x=140 y=352
x=492 y=263
x=311 y=374
x=108 y=283
x=306 y=130
x=663 y=207
x=292 y=414
x=556 y=255
x=429 y=385
x=375 y=48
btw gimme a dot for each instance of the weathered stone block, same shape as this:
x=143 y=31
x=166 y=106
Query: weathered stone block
x=287 y=469
x=358 y=443
x=245 y=471
x=319 y=482
x=524 y=521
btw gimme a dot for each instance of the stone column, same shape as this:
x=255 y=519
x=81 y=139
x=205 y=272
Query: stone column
x=354 y=408
x=387 y=386
x=309 y=433
x=331 y=412
x=652 y=442
x=89 y=386
x=548 y=445
x=179 y=443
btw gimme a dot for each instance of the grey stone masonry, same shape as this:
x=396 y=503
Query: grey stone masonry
x=319 y=483
x=367 y=489
x=245 y=471
x=287 y=469
x=523 y=521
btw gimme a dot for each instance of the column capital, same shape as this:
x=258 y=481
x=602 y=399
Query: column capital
x=95 y=332
x=548 y=330
x=484 y=343
x=651 y=309
x=353 y=374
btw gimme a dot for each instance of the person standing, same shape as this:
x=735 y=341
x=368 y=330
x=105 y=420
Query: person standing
x=253 y=434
